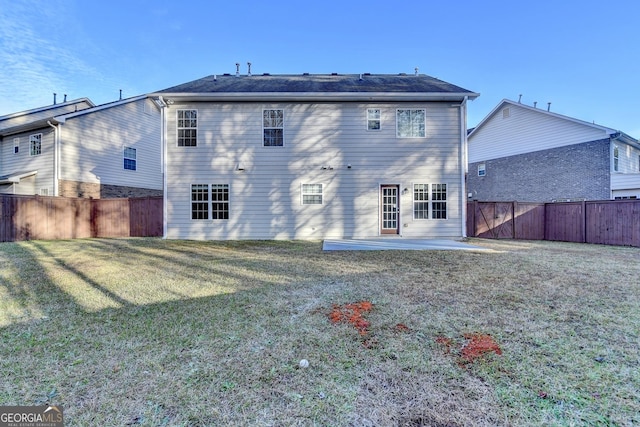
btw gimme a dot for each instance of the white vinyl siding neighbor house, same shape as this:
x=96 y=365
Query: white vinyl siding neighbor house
x=523 y=153
x=291 y=158
x=111 y=150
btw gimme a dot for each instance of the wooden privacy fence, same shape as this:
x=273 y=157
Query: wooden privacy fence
x=609 y=222
x=42 y=217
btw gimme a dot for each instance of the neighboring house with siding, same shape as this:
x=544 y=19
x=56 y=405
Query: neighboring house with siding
x=522 y=153
x=78 y=149
x=314 y=156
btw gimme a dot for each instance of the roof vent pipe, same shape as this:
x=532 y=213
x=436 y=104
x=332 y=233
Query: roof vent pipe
x=65 y=97
x=519 y=98
x=120 y=94
x=360 y=76
x=535 y=104
x=237 y=69
x=548 y=106
x=416 y=70
x=54 y=98
x=249 y=66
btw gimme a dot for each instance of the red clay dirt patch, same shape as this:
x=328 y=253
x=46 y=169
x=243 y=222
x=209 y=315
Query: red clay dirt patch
x=475 y=347
x=353 y=314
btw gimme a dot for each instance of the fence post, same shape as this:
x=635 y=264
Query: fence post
x=514 y=205
x=584 y=221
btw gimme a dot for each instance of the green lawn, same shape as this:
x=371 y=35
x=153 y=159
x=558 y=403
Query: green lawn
x=152 y=332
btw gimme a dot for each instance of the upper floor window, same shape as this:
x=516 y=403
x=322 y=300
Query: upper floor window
x=616 y=158
x=130 y=158
x=311 y=194
x=373 y=119
x=16 y=145
x=187 y=128
x=411 y=123
x=273 y=128
x=35 y=144
x=482 y=169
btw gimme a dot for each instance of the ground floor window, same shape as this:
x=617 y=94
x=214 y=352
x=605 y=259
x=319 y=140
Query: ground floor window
x=430 y=201
x=311 y=194
x=210 y=201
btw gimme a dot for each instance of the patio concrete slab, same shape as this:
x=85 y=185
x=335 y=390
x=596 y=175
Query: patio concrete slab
x=397 y=244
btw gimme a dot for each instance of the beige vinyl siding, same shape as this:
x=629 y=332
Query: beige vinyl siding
x=92 y=146
x=526 y=131
x=23 y=162
x=265 y=200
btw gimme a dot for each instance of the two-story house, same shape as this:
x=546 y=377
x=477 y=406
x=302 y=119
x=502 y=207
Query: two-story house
x=78 y=149
x=314 y=156
x=523 y=153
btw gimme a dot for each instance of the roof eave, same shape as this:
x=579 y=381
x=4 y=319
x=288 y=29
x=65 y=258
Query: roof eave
x=38 y=124
x=315 y=96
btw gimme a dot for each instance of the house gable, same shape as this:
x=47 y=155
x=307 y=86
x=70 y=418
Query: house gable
x=513 y=128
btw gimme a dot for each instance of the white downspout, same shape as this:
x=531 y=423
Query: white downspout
x=163 y=143
x=56 y=159
x=464 y=164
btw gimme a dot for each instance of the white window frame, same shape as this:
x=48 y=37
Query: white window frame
x=306 y=192
x=187 y=128
x=35 y=141
x=202 y=189
x=224 y=202
x=126 y=154
x=272 y=126
x=208 y=203
x=16 y=145
x=414 y=124
x=420 y=195
x=424 y=193
x=616 y=158
x=482 y=169
x=371 y=112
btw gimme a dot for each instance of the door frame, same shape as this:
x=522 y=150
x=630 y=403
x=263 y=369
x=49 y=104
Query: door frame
x=388 y=231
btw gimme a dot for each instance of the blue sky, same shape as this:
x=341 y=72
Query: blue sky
x=582 y=56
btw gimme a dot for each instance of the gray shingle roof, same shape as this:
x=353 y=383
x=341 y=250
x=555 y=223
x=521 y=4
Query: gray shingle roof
x=317 y=83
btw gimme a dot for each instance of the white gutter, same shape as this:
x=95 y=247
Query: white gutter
x=315 y=96
x=56 y=158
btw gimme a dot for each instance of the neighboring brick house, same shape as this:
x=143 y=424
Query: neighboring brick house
x=78 y=149
x=523 y=153
x=314 y=156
